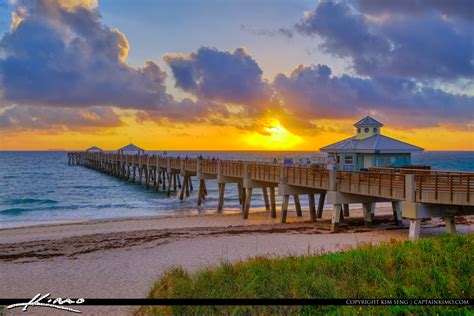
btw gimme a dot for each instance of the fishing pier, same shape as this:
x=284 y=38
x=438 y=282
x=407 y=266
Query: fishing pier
x=414 y=194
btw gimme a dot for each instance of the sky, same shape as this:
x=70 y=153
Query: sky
x=234 y=75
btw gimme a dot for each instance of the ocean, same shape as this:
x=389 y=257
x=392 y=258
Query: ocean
x=40 y=188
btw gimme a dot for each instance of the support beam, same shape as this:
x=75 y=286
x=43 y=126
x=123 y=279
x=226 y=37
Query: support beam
x=346 y=209
x=272 y=202
x=397 y=212
x=367 y=210
x=220 y=204
x=414 y=232
x=170 y=179
x=296 y=198
x=450 y=225
x=182 y=189
x=239 y=188
x=284 y=208
x=322 y=199
x=336 y=217
x=312 y=207
x=247 y=202
x=265 y=198
x=201 y=192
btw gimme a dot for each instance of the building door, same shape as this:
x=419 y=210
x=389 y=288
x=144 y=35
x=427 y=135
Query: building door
x=367 y=161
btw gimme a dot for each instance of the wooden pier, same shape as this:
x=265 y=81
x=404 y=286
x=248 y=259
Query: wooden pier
x=414 y=194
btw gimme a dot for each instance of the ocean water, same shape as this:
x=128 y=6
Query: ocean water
x=40 y=187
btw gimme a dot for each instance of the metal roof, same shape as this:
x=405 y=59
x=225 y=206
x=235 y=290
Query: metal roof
x=368 y=121
x=131 y=147
x=374 y=144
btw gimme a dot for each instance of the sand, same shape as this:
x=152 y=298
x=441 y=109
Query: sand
x=122 y=258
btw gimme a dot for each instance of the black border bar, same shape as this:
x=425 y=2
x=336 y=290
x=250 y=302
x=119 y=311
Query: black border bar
x=253 y=302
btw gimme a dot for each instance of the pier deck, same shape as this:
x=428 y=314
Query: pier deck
x=415 y=194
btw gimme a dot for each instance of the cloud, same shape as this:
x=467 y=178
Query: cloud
x=57 y=119
x=60 y=54
x=406 y=46
x=313 y=93
x=266 y=32
x=230 y=77
x=456 y=8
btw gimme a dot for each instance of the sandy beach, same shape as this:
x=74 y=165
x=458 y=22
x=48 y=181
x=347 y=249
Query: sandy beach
x=122 y=258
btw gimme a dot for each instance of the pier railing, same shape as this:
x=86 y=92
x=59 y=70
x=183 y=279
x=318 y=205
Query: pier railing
x=307 y=176
x=231 y=168
x=386 y=185
x=416 y=185
x=445 y=188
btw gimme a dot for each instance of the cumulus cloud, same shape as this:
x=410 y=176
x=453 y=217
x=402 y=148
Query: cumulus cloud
x=314 y=93
x=61 y=54
x=233 y=77
x=58 y=53
x=43 y=117
x=407 y=46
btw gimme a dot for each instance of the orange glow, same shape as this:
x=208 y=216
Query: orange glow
x=272 y=136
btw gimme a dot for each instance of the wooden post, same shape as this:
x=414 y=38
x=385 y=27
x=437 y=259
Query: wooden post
x=312 y=207
x=284 y=208
x=247 y=202
x=272 y=202
x=322 y=198
x=265 y=198
x=220 y=204
x=296 y=198
x=336 y=217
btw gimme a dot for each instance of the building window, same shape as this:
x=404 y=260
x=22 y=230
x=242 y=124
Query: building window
x=338 y=159
x=348 y=160
x=375 y=129
x=358 y=130
x=366 y=129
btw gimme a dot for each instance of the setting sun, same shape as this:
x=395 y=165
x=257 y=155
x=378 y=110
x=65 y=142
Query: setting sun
x=274 y=136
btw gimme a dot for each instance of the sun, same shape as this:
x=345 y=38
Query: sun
x=273 y=136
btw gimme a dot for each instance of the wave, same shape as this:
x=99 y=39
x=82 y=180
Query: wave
x=32 y=201
x=14 y=211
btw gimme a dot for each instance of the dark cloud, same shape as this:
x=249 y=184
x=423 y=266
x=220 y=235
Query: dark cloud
x=453 y=8
x=62 y=56
x=210 y=74
x=422 y=47
x=313 y=93
x=22 y=117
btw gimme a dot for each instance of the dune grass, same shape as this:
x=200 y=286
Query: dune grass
x=436 y=267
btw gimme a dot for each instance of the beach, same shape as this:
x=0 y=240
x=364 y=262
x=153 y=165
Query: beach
x=122 y=258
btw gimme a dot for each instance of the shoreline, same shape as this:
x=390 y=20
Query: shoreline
x=123 y=258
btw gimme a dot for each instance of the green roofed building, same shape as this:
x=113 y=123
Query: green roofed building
x=369 y=148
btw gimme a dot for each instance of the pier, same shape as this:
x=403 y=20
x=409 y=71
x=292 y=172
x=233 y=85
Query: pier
x=414 y=194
